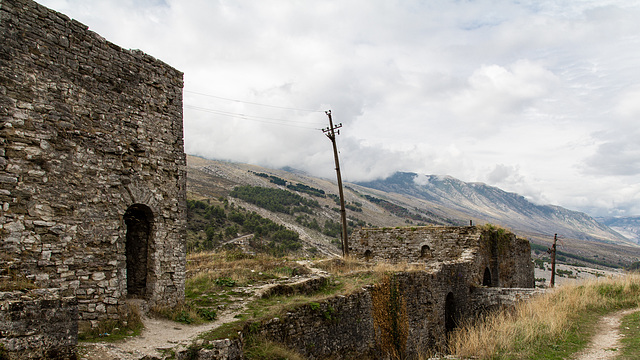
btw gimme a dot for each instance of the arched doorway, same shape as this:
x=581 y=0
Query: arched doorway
x=425 y=252
x=139 y=221
x=449 y=313
x=486 y=279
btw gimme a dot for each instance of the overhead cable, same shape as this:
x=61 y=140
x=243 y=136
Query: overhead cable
x=266 y=120
x=249 y=102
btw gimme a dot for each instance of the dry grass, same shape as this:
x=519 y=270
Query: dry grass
x=263 y=349
x=238 y=266
x=536 y=323
x=340 y=266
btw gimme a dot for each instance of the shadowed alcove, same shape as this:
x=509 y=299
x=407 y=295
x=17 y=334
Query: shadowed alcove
x=450 y=318
x=486 y=279
x=139 y=221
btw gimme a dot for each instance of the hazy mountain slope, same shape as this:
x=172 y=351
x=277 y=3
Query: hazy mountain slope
x=403 y=202
x=497 y=206
x=215 y=179
x=628 y=227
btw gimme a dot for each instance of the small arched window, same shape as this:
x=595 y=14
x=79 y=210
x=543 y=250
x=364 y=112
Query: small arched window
x=368 y=255
x=425 y=252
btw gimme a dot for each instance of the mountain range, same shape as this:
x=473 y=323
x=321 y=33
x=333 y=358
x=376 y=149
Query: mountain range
x=629 y=226
x=409 y=199
x=491 y=204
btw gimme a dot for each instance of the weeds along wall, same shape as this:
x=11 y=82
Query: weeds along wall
x=500 y=259
x=92 y=165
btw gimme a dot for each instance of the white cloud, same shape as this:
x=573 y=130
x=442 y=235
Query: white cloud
x=494 y=92
x=537 y=97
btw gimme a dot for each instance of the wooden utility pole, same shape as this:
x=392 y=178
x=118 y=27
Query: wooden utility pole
x=552 y=251
x=331 y=134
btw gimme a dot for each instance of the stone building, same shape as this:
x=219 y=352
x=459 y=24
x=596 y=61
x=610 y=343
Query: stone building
x=461 y=272
x=497 y=257
x=92 y=165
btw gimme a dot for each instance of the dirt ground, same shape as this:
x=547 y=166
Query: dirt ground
x=606 y=342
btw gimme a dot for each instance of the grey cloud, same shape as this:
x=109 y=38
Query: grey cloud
x=617 y=157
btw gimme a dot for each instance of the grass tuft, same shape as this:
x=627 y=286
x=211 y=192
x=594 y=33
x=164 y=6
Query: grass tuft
x=16 y=282
x=129 y=323
x=630 y=329
x=257 y=348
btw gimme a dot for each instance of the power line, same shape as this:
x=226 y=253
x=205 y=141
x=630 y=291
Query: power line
x=266 y=120
x=249 y=102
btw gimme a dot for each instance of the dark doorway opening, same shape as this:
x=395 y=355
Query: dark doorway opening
x=425 y=252
x=368 y=255
x=450 y=318
x=486 y=279
x=139 y=220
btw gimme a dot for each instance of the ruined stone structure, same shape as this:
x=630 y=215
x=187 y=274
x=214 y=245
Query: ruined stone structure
x=92 y=165
x=497 y=257
x=467 y=271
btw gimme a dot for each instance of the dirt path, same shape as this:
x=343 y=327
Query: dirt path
x=606 y=342
x=159 y=335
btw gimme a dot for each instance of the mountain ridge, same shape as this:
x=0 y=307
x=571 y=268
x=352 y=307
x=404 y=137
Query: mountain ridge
x=497 y=206
x=627 y=226
x=403 y=202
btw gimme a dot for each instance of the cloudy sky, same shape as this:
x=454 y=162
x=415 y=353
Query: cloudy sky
x=536 y=97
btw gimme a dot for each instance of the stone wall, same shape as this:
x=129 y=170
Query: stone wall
x=463 y=267
x=407 y=244
x=92 y=166
x=40 y=324
x=430 y=303
x=500 y=259
x=485 y=300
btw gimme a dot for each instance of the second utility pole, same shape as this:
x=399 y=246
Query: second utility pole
x=553 y=260
x=331 y=134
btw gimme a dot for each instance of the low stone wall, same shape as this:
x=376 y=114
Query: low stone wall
x=492 y=299
x=353 y=326
x=424 y=305
x=307 y=286
x=39 y=324
x=336 y=327
x=216 y=350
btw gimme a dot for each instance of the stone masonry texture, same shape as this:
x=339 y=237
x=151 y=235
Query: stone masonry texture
x=92 y=165
x=39 y=324
x=495 y=252
x=466 y=272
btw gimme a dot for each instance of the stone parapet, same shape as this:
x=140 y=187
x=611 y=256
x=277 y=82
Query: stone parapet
x=484 y=299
